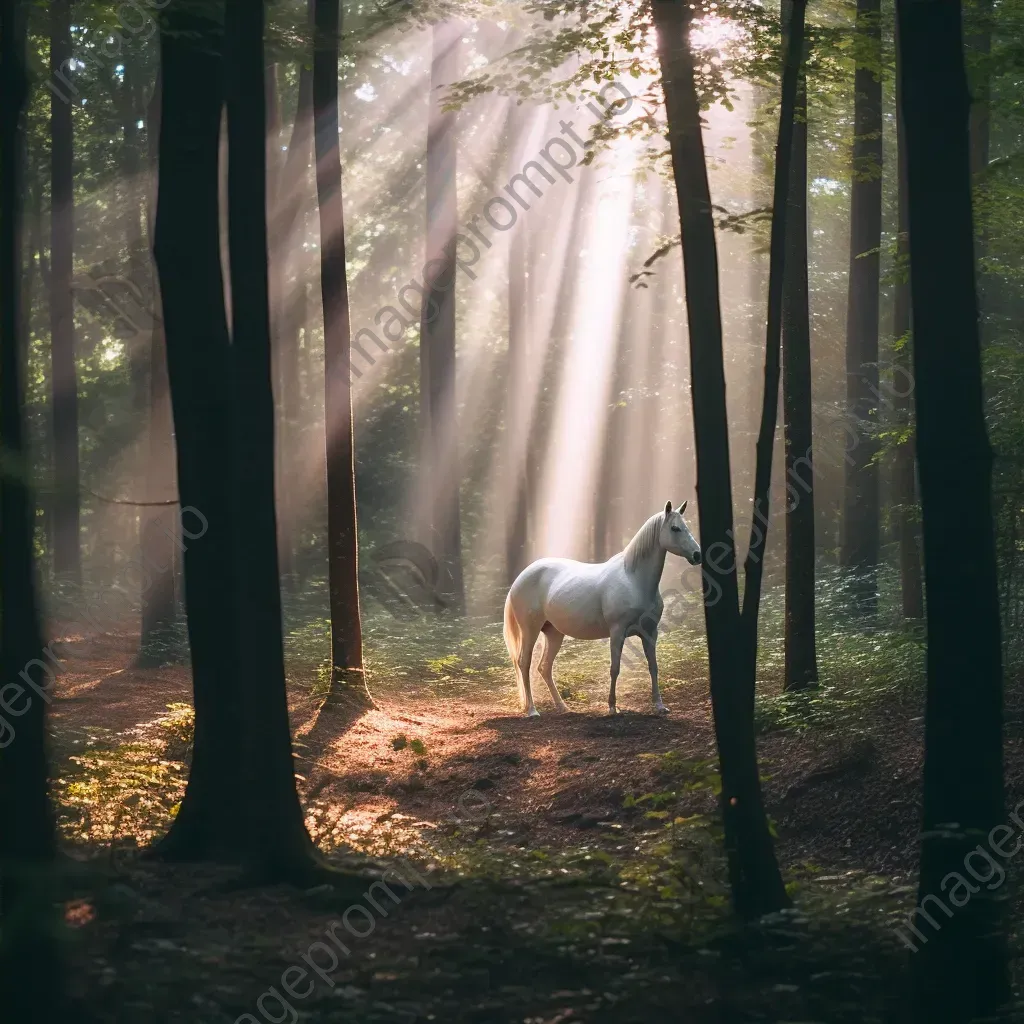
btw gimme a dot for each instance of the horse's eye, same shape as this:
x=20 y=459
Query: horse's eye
x=677 y=529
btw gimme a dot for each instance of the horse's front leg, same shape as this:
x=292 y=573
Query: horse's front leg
x=618 y=638
x=650 y=642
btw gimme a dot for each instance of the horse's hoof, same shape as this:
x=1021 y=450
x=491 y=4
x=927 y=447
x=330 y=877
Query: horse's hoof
x=612 y=710
x=533 y=713
x=562 y=709
x=661 y=709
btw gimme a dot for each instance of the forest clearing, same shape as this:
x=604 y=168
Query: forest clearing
x=511 y=511
x=543 y=842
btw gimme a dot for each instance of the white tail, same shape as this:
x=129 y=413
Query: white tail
x=514 y=643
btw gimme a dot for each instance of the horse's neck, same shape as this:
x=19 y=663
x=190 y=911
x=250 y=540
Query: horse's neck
x=647 y=556
x=649 y=569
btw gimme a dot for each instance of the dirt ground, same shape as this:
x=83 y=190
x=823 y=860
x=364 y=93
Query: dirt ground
x=544 y=851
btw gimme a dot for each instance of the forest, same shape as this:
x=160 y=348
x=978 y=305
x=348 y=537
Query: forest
x=511 y=511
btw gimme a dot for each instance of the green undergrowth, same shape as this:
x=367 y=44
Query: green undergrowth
x=112 y=789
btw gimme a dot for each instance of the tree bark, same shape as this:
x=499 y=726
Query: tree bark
x=437 y=323
x=904 y=479
x=347 y=681
x=64 y=381
x=861 y=540
x=801 y=658
x=960 y=972
x=32 y=969
x=754 y=874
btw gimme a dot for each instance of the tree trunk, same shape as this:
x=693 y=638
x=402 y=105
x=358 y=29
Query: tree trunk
x=754 y=564
x=860 y=544
x=960 y=970
x=288 y=311
x=347 y=681
x=904 y=482
x=31 y=958
x=518 y=406
x=801 y=658
x=187 y=252
x=437 y=323
x=64 y=382
x=157 y=533
x=275 y=834
x=754 y=874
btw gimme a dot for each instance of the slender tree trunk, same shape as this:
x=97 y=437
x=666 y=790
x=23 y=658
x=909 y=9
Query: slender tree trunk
x=347 y=681
x=518 y=405
x=187 y=251
x=64 y=383
x=801 y=658
x=754 y=874
x=960 y=971
x=31 y=958
x=437 y=322
x=754 y=564
x=289 y=310
x=904 y=480
x=157 y=529
x=861 y=540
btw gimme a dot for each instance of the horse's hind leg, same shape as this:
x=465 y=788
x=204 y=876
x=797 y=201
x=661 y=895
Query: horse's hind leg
x=552 y=642
x=618 y=638
x=529 y=640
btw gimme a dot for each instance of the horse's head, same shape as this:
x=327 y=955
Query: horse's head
x=676 y=537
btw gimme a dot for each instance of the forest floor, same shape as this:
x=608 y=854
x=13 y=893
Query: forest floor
x=560 y=869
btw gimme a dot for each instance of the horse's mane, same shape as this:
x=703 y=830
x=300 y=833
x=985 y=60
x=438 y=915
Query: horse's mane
x=645 y=541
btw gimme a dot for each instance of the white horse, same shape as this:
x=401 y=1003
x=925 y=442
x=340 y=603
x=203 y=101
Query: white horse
x=618 y=598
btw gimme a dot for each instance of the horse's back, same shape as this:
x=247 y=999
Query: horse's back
x=565 y=593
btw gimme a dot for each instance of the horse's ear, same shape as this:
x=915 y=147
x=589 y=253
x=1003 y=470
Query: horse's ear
x=682 y=508
x=668 y=507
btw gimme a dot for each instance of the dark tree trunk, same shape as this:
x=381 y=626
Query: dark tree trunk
x=157 y=529
x=754 y=564
x=187 y=251
x=904 y=480
x=754 y=874
x=275 y=833
x=347 y=681
x=31 y=957
x=64 y=382
x=860 y=542
x=437 y=323
x=801 y=658
x=960 y=971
